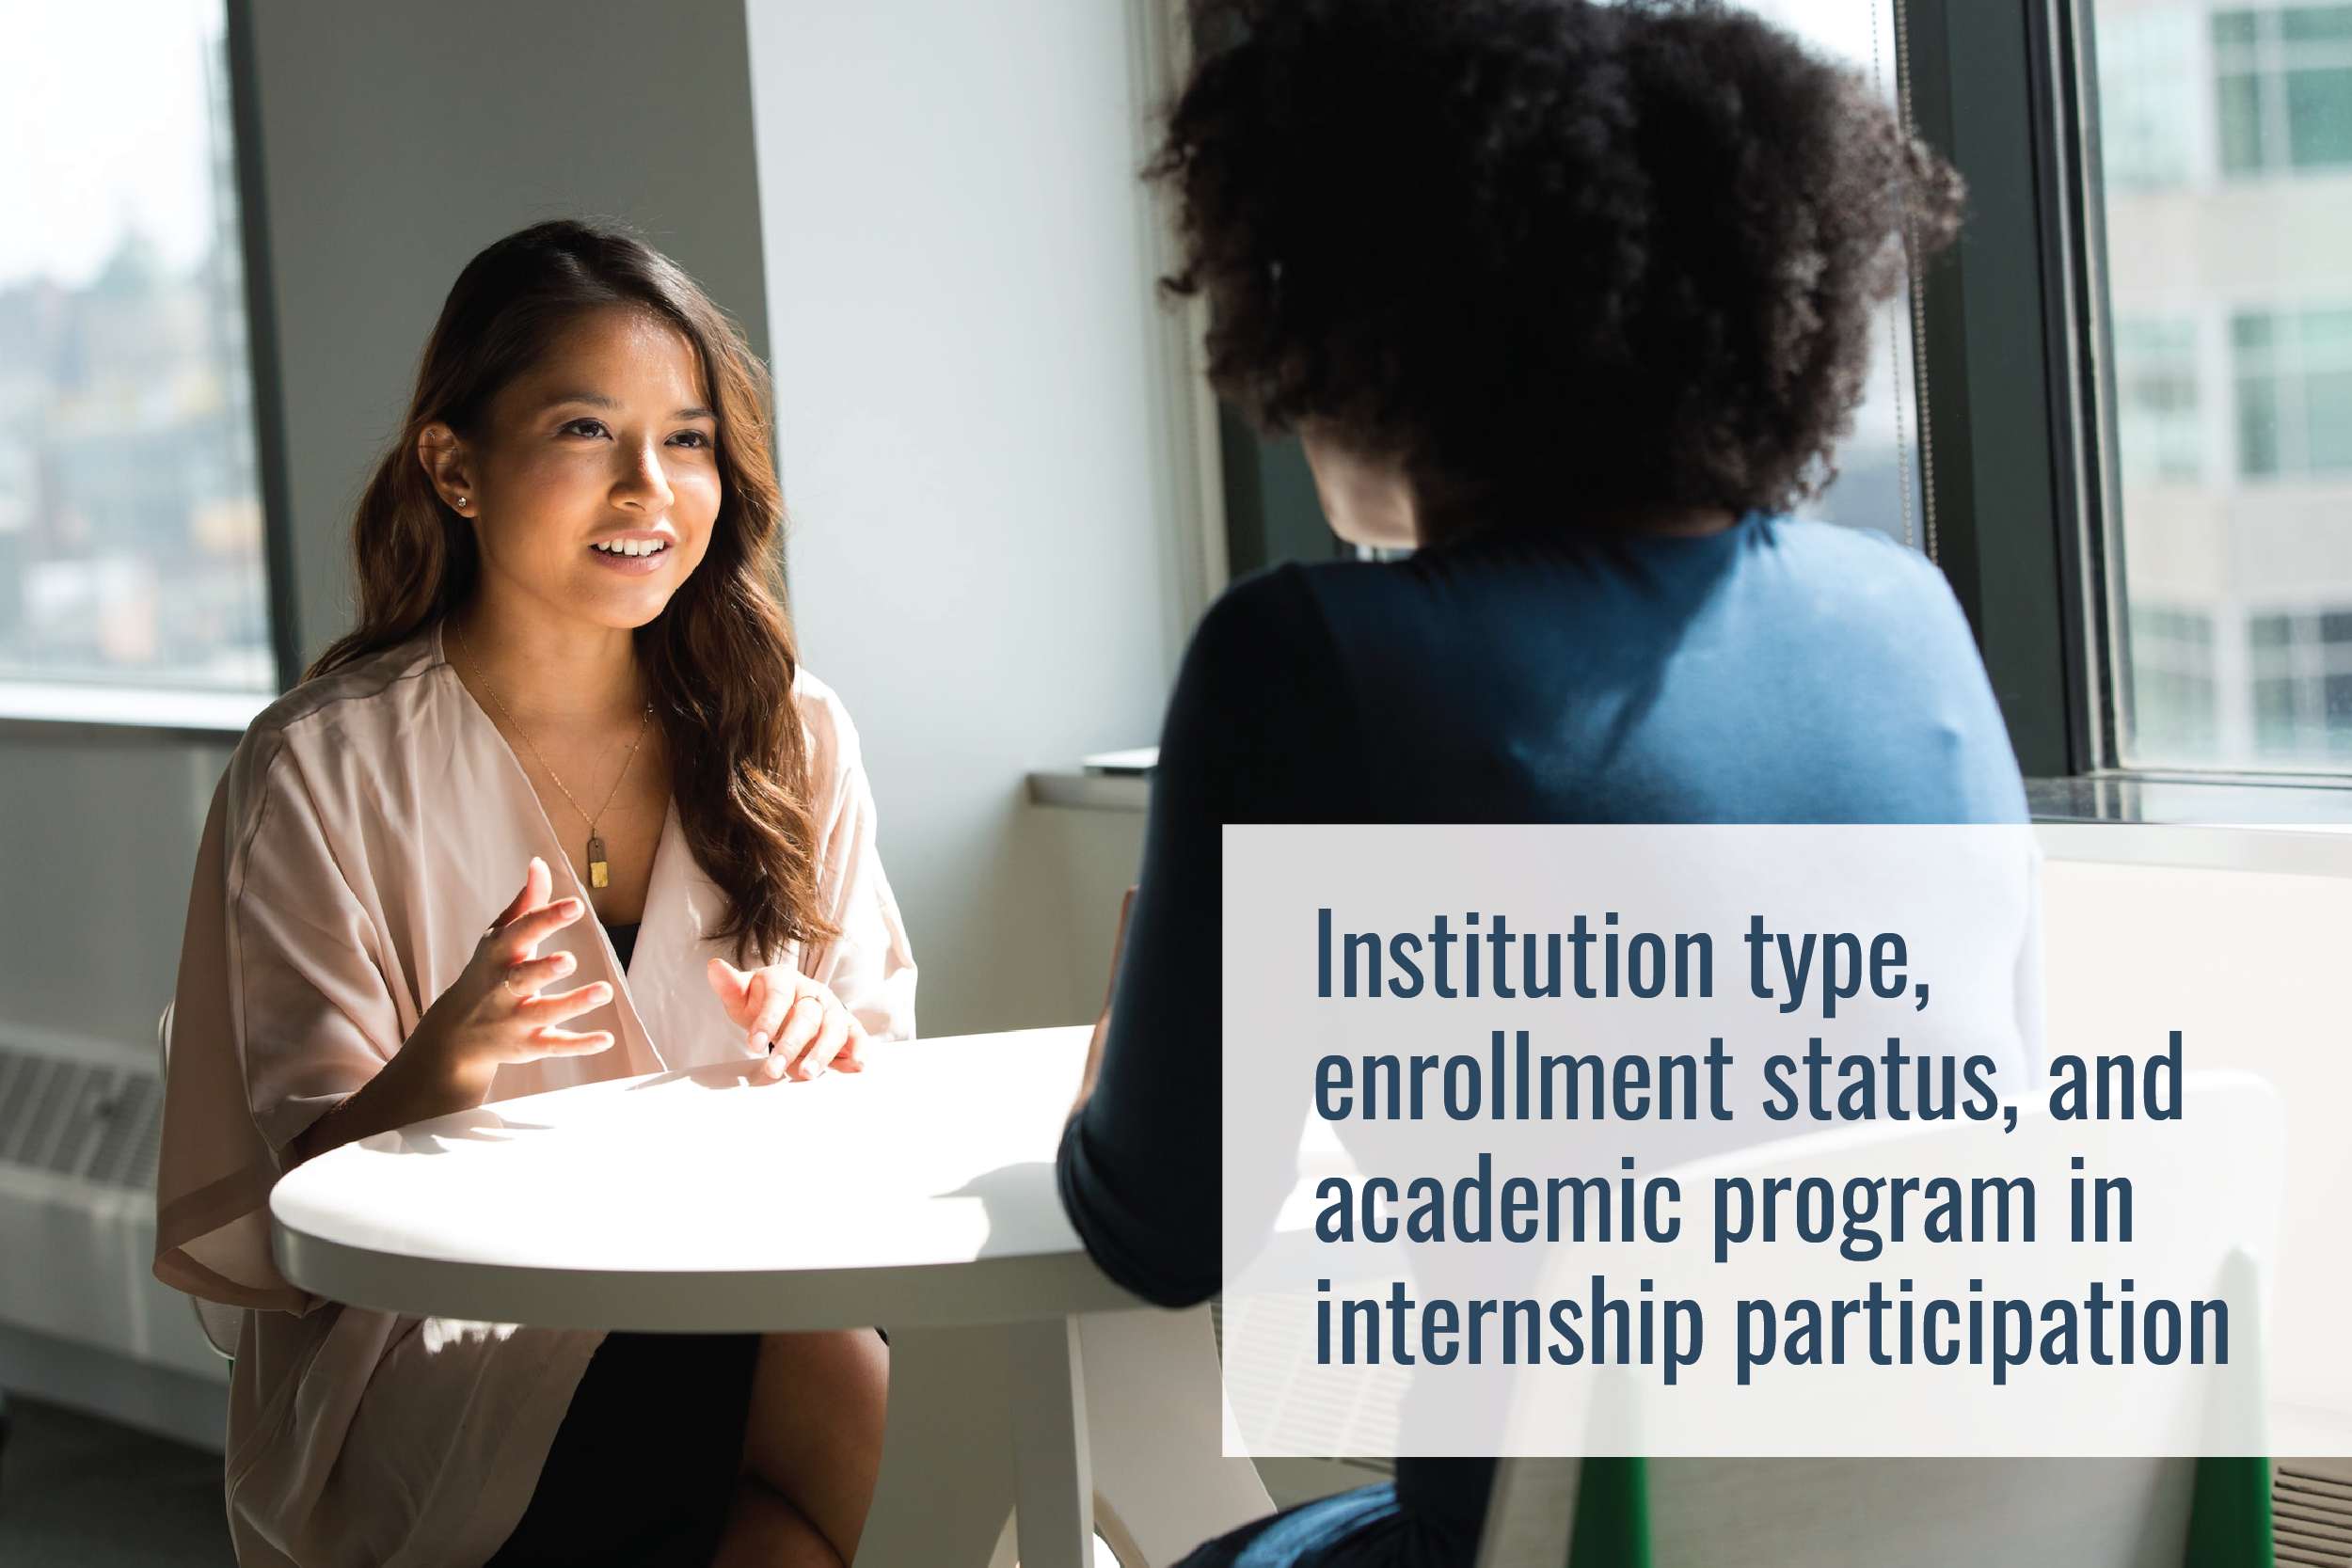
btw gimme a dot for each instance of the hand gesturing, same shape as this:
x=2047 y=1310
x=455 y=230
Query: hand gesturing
x=498 y=1011
x=799 y=1021
x=494 y=1013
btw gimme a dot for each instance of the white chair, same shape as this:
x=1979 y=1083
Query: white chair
x=1833 y=1513
x=1949 y=1512
x=220 y=1325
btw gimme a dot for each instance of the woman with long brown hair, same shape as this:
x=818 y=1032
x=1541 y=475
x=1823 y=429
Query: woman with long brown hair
x=570 y=712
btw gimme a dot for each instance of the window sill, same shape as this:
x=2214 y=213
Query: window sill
x=1107 y=780
x=2193 y=800
x=2297 y=828
x=1072 y=789
x=2222 y=824
x=208 y=715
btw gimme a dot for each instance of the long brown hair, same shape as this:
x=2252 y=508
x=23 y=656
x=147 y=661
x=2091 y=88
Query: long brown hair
x=720 y=657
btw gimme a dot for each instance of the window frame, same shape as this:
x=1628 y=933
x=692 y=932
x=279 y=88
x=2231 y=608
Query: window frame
x=2021 y=444
x=2024 y=457
x=271 y=472
x=2019 y=376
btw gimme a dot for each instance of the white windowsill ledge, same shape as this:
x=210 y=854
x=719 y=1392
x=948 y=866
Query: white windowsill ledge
x=2322 y=849
x=1084 y=791
x=1107 y=780
x=222 y=713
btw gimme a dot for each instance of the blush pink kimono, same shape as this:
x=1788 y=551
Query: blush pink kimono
x=370 y=825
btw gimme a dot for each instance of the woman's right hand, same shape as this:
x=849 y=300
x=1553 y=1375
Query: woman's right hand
x=497 y=1011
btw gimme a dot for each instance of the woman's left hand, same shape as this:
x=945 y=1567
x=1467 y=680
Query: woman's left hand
x=799 y=1021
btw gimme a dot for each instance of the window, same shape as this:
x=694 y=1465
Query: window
x=2293 y=371
x=2226 y=146
x=2176 y=710
x=129 y=501
x=2283 y=82
x=2302 y=669
x=2146 y=119
x=2158 y=415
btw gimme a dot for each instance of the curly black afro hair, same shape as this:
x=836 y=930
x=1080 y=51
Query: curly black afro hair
x=1558 y=258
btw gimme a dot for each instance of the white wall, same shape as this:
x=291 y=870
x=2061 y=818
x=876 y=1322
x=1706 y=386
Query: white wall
x=2249 y=966
x=982 y=462
x=399 y=140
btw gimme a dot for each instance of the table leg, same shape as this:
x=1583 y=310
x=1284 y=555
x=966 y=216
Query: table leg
x=946 y=1482
x=1055 y=1481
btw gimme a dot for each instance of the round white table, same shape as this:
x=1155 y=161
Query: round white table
x=917 y=1195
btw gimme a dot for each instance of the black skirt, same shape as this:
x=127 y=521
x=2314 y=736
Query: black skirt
x=644 y=1464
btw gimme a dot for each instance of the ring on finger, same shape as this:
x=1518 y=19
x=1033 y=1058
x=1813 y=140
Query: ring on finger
x=509 y=983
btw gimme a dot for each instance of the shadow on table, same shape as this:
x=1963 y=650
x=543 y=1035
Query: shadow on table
x=718 y=1075
x=1023 y=1210
x=483 y=1126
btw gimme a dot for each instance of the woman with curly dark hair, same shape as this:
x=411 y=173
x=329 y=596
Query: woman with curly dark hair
x=1576 y=298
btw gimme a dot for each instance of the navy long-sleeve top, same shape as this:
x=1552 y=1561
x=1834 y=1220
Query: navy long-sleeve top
x=1779 y=672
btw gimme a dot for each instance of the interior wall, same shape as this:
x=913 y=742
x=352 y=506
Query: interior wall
x=2245 y=965
x=977 y=447
x=399 y=140
x=96 y=873
x=97 y=876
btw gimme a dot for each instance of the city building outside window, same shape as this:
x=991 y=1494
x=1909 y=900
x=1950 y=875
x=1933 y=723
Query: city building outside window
x=129 y=505
x=2226 y=148
x=2293 y=370
x=2302 y=669
x=2159 y=413
x=2283 y=87
x=2176 y=689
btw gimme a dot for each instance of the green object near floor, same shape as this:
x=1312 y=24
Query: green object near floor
x=1612 y=1528
x=2229 y=1515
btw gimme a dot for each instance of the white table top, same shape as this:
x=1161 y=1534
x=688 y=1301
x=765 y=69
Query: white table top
x=917 y=1194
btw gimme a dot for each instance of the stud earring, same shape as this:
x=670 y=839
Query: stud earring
x=461 y=502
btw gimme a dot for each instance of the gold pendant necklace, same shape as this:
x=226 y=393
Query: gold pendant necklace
x=599 y=870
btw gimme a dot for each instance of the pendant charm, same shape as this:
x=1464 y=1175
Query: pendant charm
x=600 y=872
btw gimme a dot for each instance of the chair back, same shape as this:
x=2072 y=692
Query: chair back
x=219 y=1323
x=1919 y=1513
x=1939 y=1511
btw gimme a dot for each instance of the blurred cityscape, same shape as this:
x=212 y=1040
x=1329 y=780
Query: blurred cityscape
x=2227 y=145
x=129 y=509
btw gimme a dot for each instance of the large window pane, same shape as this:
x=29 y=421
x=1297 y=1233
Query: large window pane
x=1877 y=485
x=130 y=523
x=2226 y=131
